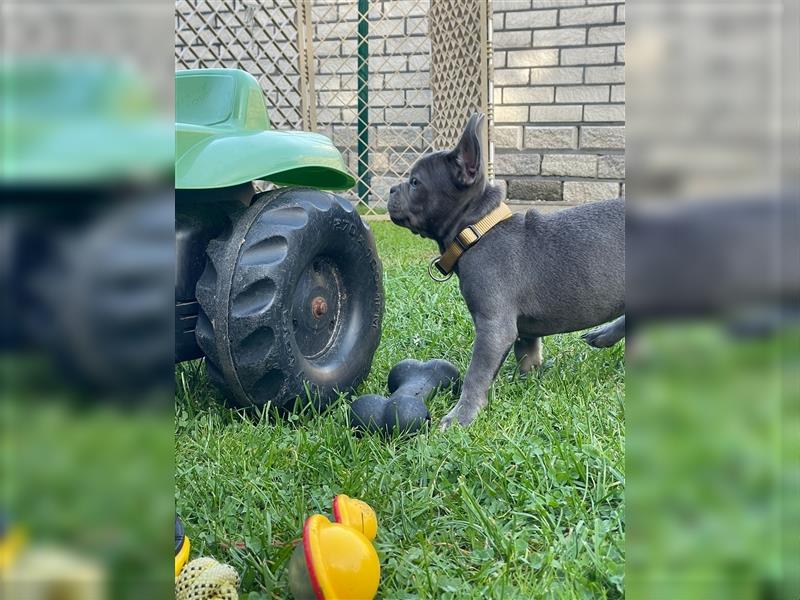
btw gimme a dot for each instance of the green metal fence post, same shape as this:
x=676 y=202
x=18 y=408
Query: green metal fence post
x=363 y=100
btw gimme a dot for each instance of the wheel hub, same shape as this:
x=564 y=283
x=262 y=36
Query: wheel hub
x=319 y=307
x=316 y=307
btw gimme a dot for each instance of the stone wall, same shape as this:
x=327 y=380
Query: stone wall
x=559 y=95
x=559 y=86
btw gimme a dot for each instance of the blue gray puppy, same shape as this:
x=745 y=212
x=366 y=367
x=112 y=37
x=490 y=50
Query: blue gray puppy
x=532 y=275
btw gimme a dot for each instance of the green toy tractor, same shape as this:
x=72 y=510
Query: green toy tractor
x=281 y=291
x=87 y=251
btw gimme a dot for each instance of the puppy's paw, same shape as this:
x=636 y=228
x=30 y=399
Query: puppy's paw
x=600 y=338
x=447 y=421
x=606 y=335
x=460 y=415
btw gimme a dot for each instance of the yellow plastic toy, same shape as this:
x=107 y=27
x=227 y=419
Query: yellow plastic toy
x=355 y=513
x=12 y=539
x=337 y=561
x=182 y=547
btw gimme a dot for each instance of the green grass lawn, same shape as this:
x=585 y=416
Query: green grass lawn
x=526 y=503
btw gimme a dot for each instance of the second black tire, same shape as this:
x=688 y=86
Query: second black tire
x=291 y=300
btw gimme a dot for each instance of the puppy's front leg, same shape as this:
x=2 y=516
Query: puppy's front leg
x=493 y=341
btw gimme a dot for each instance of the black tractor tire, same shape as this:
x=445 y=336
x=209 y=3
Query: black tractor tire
x=99 y=302
x=291 y=301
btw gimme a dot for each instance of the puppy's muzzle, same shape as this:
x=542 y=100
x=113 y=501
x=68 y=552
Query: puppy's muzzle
x=394 y=205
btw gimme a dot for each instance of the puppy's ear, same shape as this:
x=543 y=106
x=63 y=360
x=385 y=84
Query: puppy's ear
x=467 y=154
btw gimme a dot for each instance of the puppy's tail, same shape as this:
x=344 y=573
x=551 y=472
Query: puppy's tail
x=606 y=335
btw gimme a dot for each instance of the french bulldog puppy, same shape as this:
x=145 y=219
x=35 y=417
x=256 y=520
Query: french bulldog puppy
x=530 y=276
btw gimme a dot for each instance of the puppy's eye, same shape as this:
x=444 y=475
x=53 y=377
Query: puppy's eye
x=413 y=182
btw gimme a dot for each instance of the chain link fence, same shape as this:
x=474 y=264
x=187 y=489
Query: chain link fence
x=262 y=40
x=384 y=79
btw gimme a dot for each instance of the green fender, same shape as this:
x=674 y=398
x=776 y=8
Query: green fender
x=223 y=137
x=79 y=121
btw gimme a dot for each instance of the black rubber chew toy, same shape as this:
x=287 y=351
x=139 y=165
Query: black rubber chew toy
x=411 y=384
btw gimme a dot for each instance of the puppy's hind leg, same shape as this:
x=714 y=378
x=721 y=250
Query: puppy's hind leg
x=606 y=335
x=493 y=340
x=529 y=354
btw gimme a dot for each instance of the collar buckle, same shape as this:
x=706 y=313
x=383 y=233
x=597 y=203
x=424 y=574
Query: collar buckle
x=464 y=246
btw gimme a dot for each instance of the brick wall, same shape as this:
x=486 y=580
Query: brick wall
x=559 y=94
x=559 y=89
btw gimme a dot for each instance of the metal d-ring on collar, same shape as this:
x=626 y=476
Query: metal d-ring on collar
x=435 y=264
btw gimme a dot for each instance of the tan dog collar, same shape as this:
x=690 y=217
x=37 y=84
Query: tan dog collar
x=465 y=239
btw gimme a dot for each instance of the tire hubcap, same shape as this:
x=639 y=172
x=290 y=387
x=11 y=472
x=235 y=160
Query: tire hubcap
x=316 y=307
